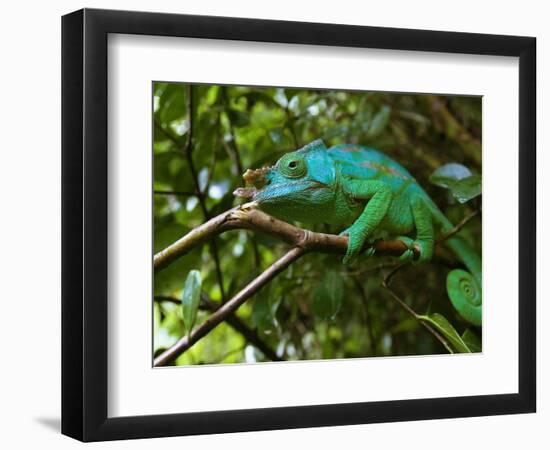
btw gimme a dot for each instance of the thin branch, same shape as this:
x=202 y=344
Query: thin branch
x=232 y=149
x=290 y=126
x=368 y=322
x=458 y=226
x=188 y=150
x=229 y=307
x=386 y=285
x=393 y=272
x=234 y=152
x=228 y=354
x=470 y=145
x=232 y=320
x=249 y=334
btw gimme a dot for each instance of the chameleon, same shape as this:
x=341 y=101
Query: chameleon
x=374 y=197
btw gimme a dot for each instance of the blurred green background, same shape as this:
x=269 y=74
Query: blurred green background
x=318 y=308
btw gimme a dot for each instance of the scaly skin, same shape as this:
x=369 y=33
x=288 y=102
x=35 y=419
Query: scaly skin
x=352 y=184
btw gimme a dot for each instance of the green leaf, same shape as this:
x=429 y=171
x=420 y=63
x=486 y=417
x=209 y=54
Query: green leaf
x=212 y=95
x=467 y=188
x=459 y=179
x=406 y=325
x=328 y=296
x=254 y=97
x=190 y=299
x=379 y=121
x=448 y=174
x=172 y=103
x=444 y=327
x=472 y=341
x=264 y=310
x=238 y=118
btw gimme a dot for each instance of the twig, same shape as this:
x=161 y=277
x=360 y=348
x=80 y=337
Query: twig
x=232 y=150
x=362 y=294
x=458 y=226
x=227 y=354
x=290 y=126
x=393 y=272
x=232 y=320
x=187 y=150
x=235 y=154
x=470 y=145
x=385 y=284
x=229 y=307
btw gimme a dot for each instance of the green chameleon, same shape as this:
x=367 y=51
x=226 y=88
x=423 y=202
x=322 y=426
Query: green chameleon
x=352 y=184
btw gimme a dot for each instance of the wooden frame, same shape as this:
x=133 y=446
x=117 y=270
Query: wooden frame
x=84 y=224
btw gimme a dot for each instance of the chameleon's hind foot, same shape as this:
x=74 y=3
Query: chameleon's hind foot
x=407 y=255
x=424 y=248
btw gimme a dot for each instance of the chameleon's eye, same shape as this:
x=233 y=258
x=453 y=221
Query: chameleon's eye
x=292 y=166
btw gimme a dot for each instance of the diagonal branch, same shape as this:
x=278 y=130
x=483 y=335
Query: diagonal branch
x=470 y=145
x=393 y=272
x=229 y=307
x=234 y=322
x=412 y=312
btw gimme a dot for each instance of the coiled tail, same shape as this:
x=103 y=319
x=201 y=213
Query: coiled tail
x=463 y=287
x=465 y=294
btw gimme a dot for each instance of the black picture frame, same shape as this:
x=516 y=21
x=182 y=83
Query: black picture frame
x=84 y=224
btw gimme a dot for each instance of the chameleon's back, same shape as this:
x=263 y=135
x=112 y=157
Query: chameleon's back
x=362 y=162
x=366 y=163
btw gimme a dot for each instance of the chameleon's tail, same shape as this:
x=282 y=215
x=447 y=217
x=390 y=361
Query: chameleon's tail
x=463 y=288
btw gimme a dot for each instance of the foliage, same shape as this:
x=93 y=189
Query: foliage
x=459 y=180
x=317 y=308
x=190 y=299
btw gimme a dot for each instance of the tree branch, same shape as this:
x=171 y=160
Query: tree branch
x=248 y=217
x=458 y=226
x=229 y=307
x=391 y=274
x=303 y=241
x=412 y=312
x=470 y=145
x=232 y=320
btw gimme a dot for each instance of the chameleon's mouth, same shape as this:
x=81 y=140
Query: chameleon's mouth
x=247 y=192
x=255 y=177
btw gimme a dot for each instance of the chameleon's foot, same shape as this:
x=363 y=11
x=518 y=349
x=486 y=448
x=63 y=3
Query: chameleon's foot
x=425 y=250
x=407 y=255
x=355 y=245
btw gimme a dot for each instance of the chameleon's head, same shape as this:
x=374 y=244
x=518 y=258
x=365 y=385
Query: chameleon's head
x=299 y=181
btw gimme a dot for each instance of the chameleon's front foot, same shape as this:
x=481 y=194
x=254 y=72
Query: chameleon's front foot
x=356 y=241
x=425 y=249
